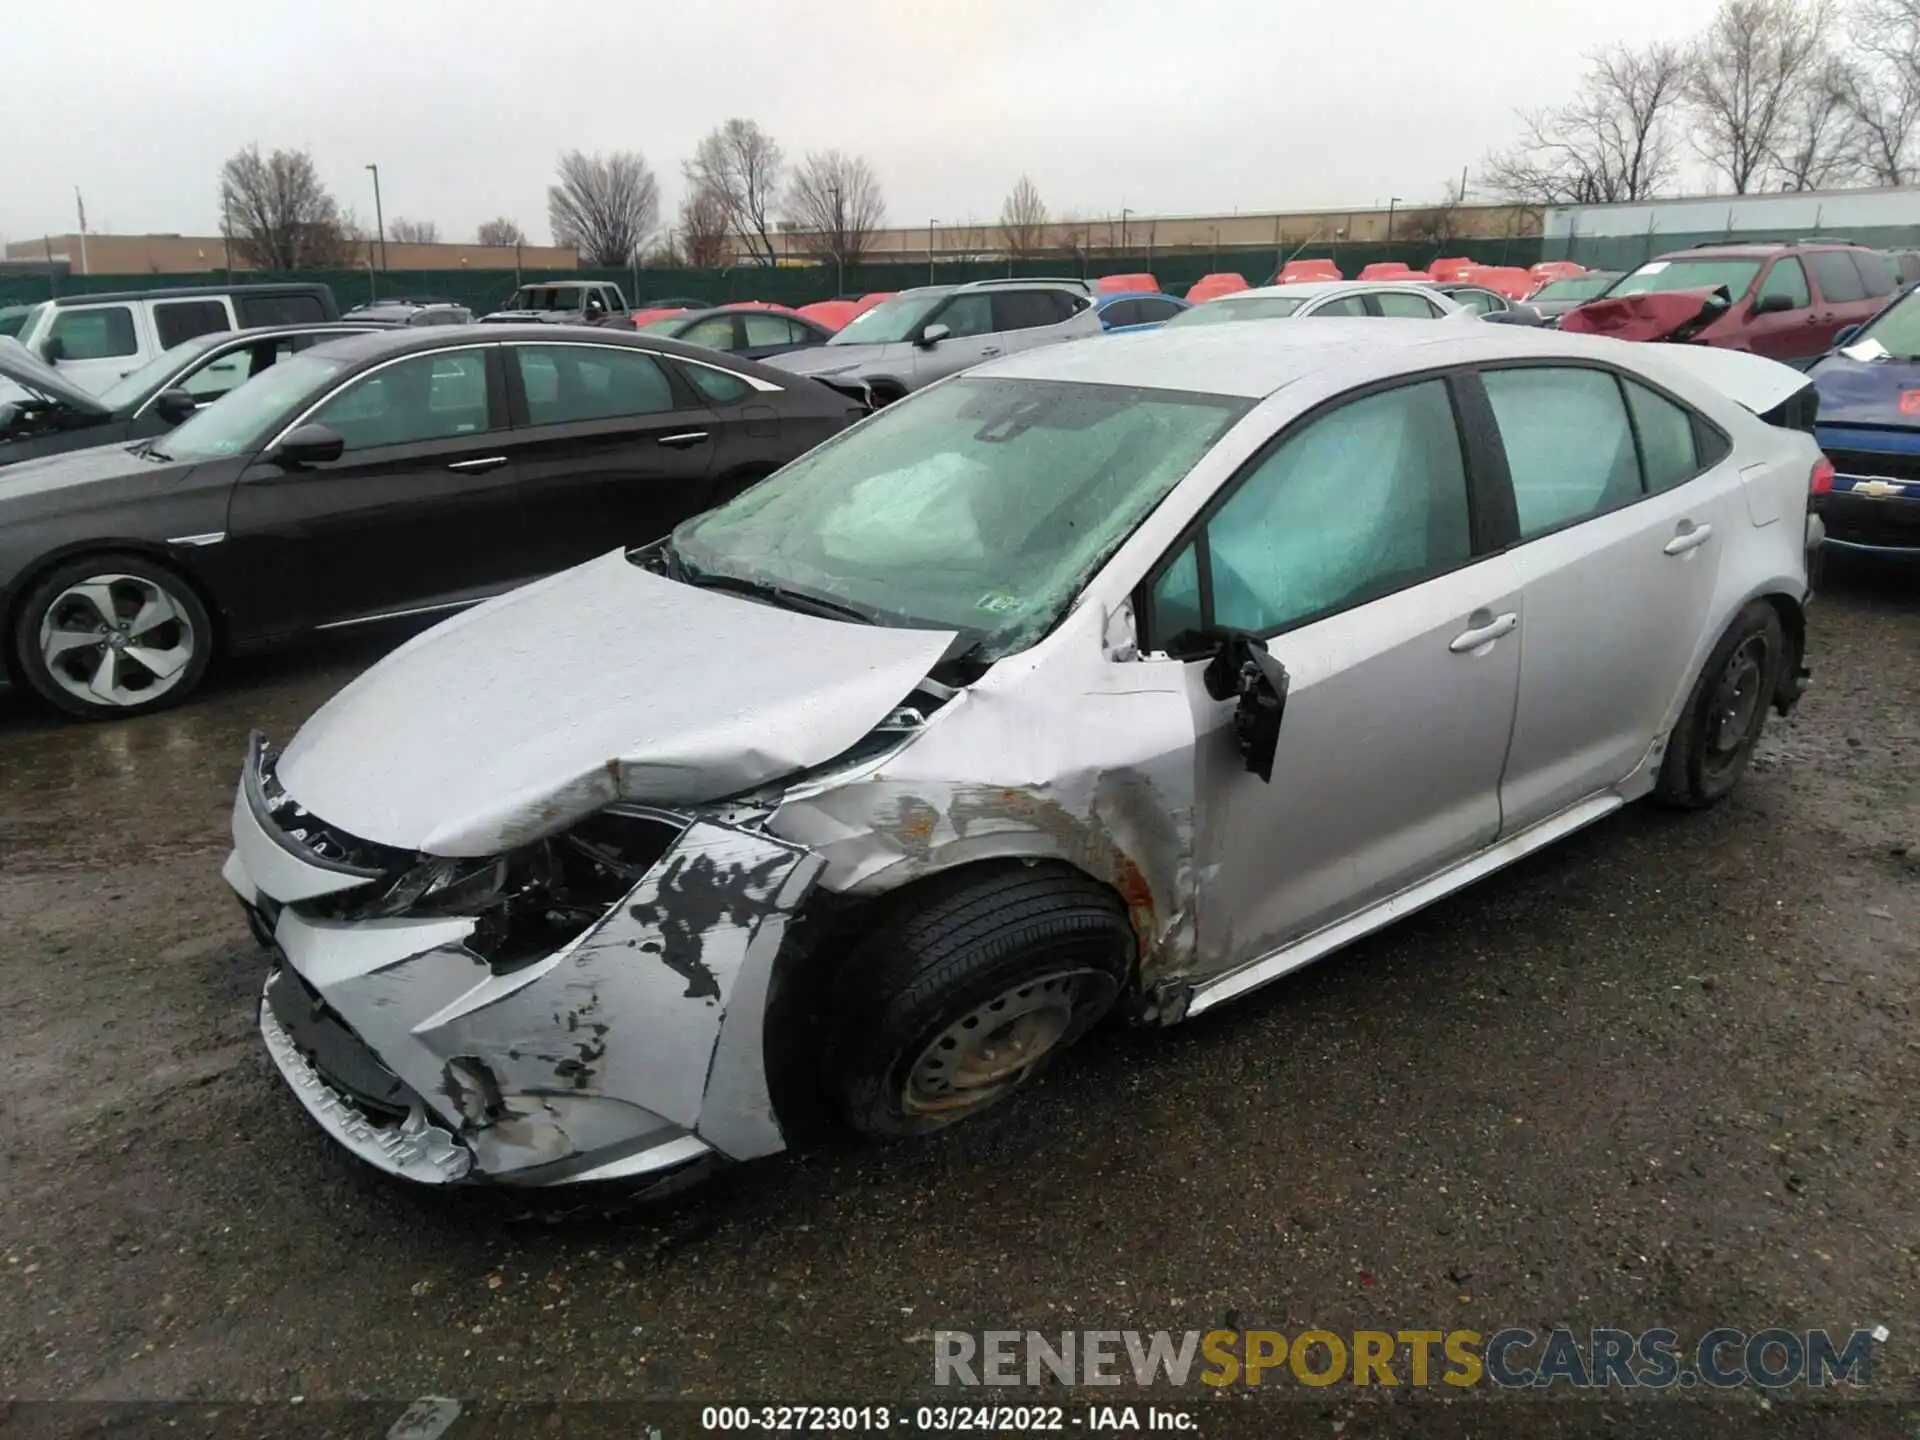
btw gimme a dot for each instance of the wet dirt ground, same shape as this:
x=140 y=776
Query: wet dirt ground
x=1666 y=1073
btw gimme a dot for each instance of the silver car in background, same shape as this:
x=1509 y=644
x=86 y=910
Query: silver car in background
x=1117 y=677
x=1327 y=300
x=934 y=331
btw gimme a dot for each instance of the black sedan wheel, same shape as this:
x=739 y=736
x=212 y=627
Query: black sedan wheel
x=112 y=635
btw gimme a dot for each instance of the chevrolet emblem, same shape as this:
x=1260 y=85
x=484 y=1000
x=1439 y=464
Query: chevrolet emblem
x=1878 y=489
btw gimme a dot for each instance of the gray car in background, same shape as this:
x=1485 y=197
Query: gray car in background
x=934 y=331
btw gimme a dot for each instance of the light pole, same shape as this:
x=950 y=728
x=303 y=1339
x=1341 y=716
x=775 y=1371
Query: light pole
x=1391 y=202
x=930 y=225
x=839 y=239
x=379 y=221
x=1215 y=230
x=1124 y=213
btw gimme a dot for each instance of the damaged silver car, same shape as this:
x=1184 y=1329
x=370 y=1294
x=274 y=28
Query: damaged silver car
x=1115 y=677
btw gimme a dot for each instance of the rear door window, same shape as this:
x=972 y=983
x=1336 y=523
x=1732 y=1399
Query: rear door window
x=1119 y=313
x=568 y=384
x=177 y=320
x=1152 y=312
x=1555 y=482
x=715 y=332
x=278 y=309
x=99 y=332
x=1397 y=305
x=719 y=386
x=1025 y=310
x=1347 y=305
x=764 y=329
x=1834 y=273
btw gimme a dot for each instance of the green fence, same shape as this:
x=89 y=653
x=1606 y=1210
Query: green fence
x=486 y=290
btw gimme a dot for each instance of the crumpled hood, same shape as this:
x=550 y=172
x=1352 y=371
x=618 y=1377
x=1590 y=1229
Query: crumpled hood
x=1665 y=315
x=827 y=359
x=605 y=682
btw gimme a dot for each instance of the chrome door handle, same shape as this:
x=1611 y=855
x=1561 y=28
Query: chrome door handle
x=1690 y=538
x=1485 y=633
x=683 y=440
x=486 y=462
x=990 y=350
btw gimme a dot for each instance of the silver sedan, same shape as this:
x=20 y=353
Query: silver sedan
x=1115 y=678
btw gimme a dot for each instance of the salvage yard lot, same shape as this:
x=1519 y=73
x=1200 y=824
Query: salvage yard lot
x=1664 y=1073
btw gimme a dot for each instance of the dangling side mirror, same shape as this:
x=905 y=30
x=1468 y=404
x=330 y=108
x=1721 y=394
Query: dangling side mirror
x=1243 y=667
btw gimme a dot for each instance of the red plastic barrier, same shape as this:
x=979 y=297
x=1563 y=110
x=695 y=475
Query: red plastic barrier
x=872 y=298
x=1508 y=280
x=1113 y=284
x=1211 y=287
x=1451 y=268
x=1296 y=271
x=1385 y=270
x=833 y=314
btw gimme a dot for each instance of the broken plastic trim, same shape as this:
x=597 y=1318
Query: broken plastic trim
x=302 y=833
x=1243 y=667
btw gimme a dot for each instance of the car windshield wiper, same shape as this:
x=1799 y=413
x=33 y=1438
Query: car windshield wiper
x=780 y=594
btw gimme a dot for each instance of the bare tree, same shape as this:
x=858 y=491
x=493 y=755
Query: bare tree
x=1819 y=143
x=413 y=232
x=1612 y=141
x=1883 y=92
x=1023 y=219
x=1745 y=78
x=605 y=206
x=500 y=231
x=706 y=240
x=278 y=214
x=834 y=205
x=740 y=166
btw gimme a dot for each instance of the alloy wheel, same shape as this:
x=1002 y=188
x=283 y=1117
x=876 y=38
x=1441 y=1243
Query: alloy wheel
x=116 y=640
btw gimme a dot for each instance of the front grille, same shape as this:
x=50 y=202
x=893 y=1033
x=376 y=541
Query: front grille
x=339 y=1056
x=1888 y=464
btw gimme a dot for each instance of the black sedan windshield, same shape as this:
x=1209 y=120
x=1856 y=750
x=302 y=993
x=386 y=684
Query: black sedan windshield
x=244 y=418
x=982 y=505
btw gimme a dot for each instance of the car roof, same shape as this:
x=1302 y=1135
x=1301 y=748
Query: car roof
x=1253 y=360
x=188 y=292
x=1102 y=301
x=384 y=344
x=1309 y=289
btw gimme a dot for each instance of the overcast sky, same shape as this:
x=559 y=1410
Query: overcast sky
x=1166 y=107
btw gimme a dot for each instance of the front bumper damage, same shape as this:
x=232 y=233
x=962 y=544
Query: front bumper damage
x=631 y=1053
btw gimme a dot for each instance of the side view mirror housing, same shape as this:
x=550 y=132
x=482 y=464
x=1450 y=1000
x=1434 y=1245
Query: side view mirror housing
x=1845 y=336
x=53 y=349
x=173 y=406
x=1245 y=669
x=933 y=335
x=310 y=445
x=1772 y=304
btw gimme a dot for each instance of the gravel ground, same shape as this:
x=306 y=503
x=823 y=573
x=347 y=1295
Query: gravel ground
x=1663 y=1074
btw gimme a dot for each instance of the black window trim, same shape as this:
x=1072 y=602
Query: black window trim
x=1481 y=515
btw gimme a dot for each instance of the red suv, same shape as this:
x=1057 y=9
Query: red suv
x=1786 y=302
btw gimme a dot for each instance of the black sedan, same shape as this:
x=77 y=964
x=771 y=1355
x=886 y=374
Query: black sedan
x=402 y=472
x=750 y=330
x=46 y=414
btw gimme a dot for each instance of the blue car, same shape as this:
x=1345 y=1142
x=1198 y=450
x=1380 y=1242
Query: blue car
x=1869 y=426
x=1136 y=310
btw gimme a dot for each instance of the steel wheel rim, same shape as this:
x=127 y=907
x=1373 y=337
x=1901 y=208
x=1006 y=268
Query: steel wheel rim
x=994 y=1046
x=116 y=640
x=1737 y=698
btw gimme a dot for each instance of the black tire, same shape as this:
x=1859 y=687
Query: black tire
x=185 y=641
x=1713 y=740
x=1042 y=944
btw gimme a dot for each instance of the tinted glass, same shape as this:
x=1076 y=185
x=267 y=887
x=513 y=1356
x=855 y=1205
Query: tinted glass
x=1834 y=273
x=1120 y=312
x=224 y=372
x=716 y=385
x=1363 y=501
x=1555 y=480
x=1259 y=307
x=1026 y=310
x=1877 y=272
x=1406 y=307
x=102 y=333
x=1667 y=455
x=570 y=383
x=967 y=315
x=1152 y=311
x=768 y=330
x=1789 y=278
x=177 y=320
x=888 y=322
x=250 y=415
x=426 y=397
x=980 y=505
x=715 y=332
x=278 y=309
